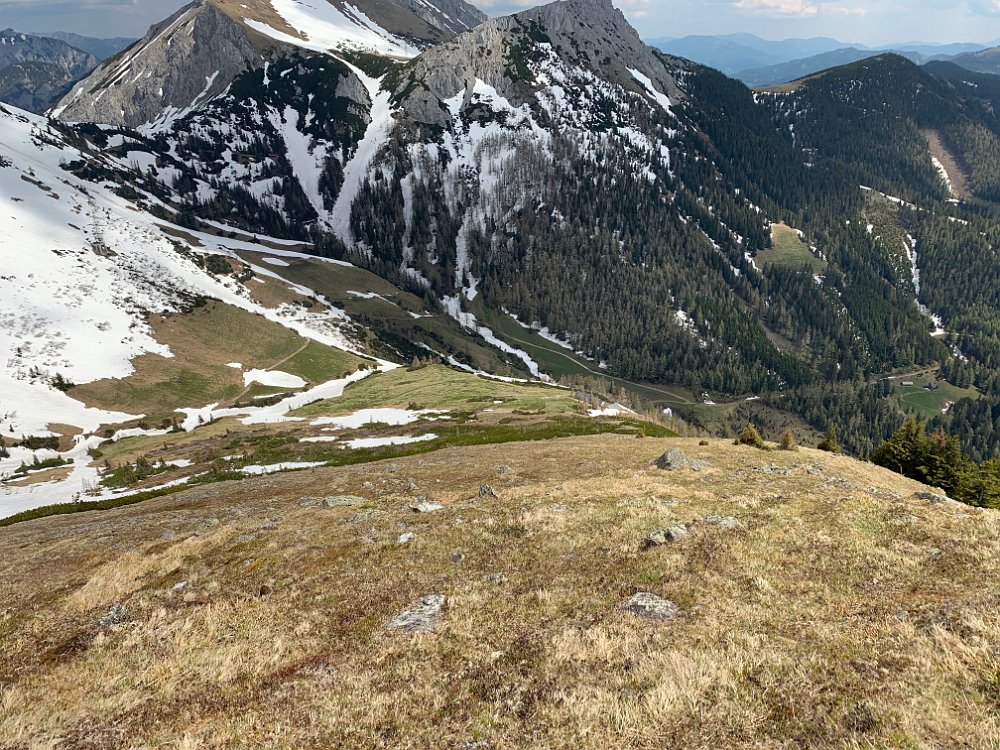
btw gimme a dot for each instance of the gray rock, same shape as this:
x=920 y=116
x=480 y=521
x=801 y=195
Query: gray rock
x=177 y=58
x=503 y=470
x=420 y=617
x=666 y=536
x=651 y=606
x=426 y=507
x=406 y=538
x=729 y=523
x=344 y=501
x=675 y=459
x=115 y=616
x=932 y=497
x=488 y=493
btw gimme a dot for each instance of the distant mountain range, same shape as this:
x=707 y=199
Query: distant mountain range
x=102 y=49
x=36 y=71
x=762 y=62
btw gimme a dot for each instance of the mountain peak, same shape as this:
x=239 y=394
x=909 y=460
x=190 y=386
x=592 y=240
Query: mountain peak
x=513 y=53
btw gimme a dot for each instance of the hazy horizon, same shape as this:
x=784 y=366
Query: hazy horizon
x=874 y=24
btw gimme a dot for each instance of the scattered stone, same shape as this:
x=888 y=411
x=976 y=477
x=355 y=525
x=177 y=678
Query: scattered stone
x=457 y=558
x=344 y=501
x=115 y=616
x=932 y=497
x=495 y=578
x=503 y=470
x=364 y=515
x=651 y=606
x=406 y=538
x=905 y=520
x=666 y=536
x=412 y=486
x=269 y=526
x=368 y=485
x=420 y=617
x=180 y=586
x=308 y=502
x=488 y=493
x=725 y=522
x=675 y=459
x=426 y=507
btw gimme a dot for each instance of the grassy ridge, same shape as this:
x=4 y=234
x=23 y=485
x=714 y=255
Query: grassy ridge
x=272 y=449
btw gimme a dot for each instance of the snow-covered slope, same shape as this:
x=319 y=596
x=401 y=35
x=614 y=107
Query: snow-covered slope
x=81 y=270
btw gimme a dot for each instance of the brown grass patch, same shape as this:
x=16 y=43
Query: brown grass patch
x=256 y=621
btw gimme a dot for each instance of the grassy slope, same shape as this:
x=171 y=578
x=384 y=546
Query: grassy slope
x=440 y=387
x=848 y=614
x=390 y=314
x=929 y=404
x=788 y=250
x=203 y=343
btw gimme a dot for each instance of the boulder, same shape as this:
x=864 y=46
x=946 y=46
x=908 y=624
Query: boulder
x=651 y=607
x=115 y=616
x=426 y=507
x=675 y=459
x=932 y=497
x=344 y=501
x=420 y=617
x=666 y=536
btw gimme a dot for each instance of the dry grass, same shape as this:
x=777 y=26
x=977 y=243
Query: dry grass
x=203 y=343
x=848 y=614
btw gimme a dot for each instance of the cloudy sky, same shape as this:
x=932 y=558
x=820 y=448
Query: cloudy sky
x=872 y=22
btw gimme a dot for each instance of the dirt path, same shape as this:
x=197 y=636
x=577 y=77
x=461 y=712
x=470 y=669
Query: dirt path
x=601 y=373
x=275 y=366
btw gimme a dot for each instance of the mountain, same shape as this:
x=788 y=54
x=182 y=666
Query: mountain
x=196 y=54
x=790 y=71
x=984 y=61
x=545 y=195
x=102 y=49
x=761 y=62
x=37 y=71
x=734 y=53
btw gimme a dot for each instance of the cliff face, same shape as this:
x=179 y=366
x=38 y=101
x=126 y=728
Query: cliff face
x=194 y=56
x=184 y=61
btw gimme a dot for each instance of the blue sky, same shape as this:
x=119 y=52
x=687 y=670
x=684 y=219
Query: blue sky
x=872 y=22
